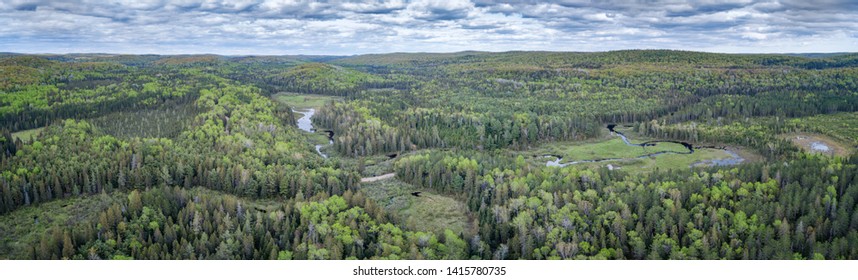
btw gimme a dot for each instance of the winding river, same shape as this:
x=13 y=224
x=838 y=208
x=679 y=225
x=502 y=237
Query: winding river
x=305 y=124
x=733 y=160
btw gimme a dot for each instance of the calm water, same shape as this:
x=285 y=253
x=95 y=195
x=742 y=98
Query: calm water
x=305 y=124
x=819 y=147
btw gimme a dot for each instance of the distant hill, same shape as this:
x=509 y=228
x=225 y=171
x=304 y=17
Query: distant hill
x=528 y=59
x=324 y=79
x=594 y=60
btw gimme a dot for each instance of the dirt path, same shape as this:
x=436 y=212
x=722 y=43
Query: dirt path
x=376 y=178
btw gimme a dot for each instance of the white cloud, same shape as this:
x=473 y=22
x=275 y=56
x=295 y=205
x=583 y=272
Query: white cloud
x=352 y=26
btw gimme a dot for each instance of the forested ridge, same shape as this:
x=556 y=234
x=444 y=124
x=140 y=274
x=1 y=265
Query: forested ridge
x=189 y=157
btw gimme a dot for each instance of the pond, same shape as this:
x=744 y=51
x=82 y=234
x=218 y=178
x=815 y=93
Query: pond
x=819 y=147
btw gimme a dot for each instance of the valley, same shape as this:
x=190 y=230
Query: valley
x=638 y=154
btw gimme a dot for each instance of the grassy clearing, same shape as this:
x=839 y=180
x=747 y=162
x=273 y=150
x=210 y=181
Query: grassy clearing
x=430 y=212
x=297 y=100
x=613 y=148
x=659 y=162
x=26 y=135
x=25 y=225
x=664 y=161
x=318 y=138
x=748 y=154
x=626 y=157
x=807 y=142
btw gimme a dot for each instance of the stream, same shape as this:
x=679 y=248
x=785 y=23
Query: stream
x=733 y=160
x=305 y=124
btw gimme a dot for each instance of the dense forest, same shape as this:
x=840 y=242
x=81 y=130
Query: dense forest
x=195 y=157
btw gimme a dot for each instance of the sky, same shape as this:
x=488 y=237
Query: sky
x=281 y=27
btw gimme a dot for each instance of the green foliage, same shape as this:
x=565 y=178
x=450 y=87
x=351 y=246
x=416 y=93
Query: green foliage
x=167 y=121
x=197 y=224
x=599 y=211
x=51 y=90
x=842 y=126
x=320 y=78
x=217 y=170
x=225 y=149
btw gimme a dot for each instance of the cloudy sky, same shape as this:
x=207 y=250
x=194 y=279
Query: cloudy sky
x=358 y=27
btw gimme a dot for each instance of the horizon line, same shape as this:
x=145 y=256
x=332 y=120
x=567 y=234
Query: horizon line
x=420 y=52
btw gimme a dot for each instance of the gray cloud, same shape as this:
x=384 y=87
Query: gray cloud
x=351 y=26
